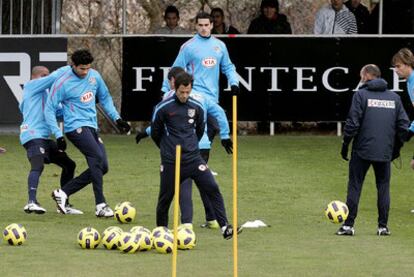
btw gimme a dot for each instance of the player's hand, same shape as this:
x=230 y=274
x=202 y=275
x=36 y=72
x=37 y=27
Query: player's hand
x=140 y=135
x=228 y=145
x=123 y=125
x=344 y=151
x=61 y=144
x=235 y=90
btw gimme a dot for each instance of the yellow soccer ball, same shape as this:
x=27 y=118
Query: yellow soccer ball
x=186 y=238
x=137 y=229
x=164 y=243
x=337 y=211
x=128 y=242
x=145 y=241
x=110 y=237
x=89 y=238
x=125 y=212
x=15 y=234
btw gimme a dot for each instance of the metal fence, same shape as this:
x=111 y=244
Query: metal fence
x=33 y=17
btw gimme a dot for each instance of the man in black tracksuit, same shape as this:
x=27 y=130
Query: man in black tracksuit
x=179 y=120
x=378 y=124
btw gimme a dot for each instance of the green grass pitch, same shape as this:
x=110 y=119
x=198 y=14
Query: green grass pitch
x=285 y=181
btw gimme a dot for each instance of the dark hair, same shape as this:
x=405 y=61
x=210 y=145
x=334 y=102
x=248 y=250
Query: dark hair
x=171 y=9
x=404 y=56
x=217 y=10
x=372 y=70
x=82 y=56
x=174 y=71
x=270 y=3
x=184 y=79
x=203 y=15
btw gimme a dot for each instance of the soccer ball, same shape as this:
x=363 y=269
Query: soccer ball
x=15 y=234
x=337 y=211
x=158 y=231
x=89 y=238
x=125 y=212
x=128 y=242
x=164 y=243
x=137 y=229
x=111 y=237
x=145 y=241
x=114 y=228
x=186 y=238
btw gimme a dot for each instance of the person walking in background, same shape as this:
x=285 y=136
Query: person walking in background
x=77 y=92
x=372 y=104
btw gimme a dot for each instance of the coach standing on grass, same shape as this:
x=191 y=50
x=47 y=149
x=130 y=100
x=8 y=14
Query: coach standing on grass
x=378 y=124
x=179 y=120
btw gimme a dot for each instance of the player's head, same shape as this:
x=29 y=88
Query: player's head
x=370 y=72
x=269 y=8
x=403 y=62
x=39 y=72
x=183 y=84
x=337 y=4
x=171 y=16
x=218 y=16
x=174 y=71
x=81 y=62
x=204 y=24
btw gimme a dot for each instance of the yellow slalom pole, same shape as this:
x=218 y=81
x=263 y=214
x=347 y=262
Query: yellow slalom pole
x=235 y=224
x=176 y=202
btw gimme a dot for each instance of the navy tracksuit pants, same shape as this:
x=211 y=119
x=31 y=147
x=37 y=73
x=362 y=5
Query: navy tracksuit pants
x=86 y=139
x=204 y=180
x=186 y=203
x=358 y=168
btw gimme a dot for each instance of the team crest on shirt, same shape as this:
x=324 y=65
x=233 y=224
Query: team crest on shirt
x=209 y=62
x=191 y=112
x=217 y=49
x=92 y=81
x=86 y=97
x=42 y=150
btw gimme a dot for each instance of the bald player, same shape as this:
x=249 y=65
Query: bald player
x=34 y=135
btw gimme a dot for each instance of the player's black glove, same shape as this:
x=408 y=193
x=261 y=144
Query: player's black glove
x=345 y=145
x=61 y=143
x=228 y=145
x=140 y=135
x=344 y=151
x=123 y=126
x=235 y=90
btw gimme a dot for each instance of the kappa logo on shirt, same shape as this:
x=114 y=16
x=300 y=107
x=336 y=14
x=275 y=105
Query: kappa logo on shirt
x=92 y=81
x=209 y=62
x=86 y=97
x=24 y=128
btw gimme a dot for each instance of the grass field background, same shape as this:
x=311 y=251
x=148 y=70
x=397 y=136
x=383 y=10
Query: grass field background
x=285 y=181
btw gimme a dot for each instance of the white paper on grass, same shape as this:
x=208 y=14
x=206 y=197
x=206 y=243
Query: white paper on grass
x=254 y=224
